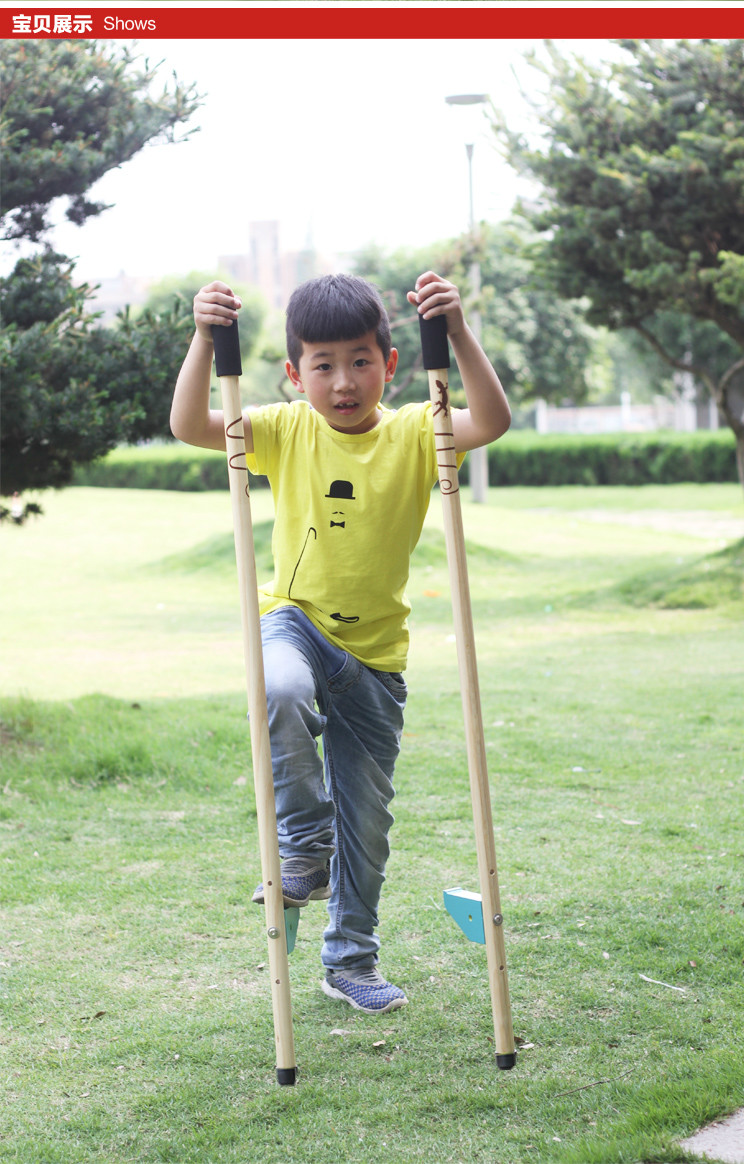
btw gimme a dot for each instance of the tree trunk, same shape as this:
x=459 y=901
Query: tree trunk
x=730 y=401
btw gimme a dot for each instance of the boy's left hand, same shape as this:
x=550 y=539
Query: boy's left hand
x=437 y=296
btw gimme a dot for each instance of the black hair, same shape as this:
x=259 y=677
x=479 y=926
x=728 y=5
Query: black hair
x=335 y=307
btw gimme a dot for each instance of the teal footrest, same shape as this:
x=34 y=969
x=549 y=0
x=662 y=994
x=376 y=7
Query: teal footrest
x=467 y=910
x=291 y=922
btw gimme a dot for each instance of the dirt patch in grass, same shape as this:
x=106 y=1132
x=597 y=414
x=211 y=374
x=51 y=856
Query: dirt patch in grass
x=699 y=523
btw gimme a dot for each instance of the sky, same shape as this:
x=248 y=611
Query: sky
x=344 y=142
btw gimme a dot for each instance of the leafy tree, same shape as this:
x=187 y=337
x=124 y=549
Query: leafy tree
x=641 y=165
x=73 y=110
x=180 y=290
x=394 y=274
x=71 y=391
x=540 y=345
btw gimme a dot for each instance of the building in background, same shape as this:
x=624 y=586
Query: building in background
x=113 y=295
x=681 y=413
x=275 y=272
x=264 y=265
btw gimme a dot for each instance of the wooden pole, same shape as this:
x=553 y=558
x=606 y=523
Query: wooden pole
x=436 y=361
x=227 y=357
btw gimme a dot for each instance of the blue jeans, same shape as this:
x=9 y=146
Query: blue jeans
x=334 y=806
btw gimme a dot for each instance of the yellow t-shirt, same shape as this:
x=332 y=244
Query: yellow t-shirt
x=349 y=511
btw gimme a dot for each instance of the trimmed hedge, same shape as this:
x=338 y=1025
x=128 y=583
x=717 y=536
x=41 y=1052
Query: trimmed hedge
x=522 y=457
x=163 y=466
x=659 y=458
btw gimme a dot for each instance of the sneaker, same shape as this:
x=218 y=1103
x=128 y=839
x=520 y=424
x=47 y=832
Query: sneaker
x=365 y=989
x=303 y=880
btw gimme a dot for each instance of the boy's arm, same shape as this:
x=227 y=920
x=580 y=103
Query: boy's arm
x=487 y=416
x=191 y=418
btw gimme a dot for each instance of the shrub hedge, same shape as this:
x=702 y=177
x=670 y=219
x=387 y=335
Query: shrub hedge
x=522 y=457
x=658 y=458
x=159 y=466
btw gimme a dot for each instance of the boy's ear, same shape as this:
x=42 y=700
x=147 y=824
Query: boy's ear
x=391 y=365
x=294 y=375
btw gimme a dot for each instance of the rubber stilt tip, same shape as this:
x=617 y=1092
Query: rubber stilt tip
x=506 y=1062
x=286 y=1076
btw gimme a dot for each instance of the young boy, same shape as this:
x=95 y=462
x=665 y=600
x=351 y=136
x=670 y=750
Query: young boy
x=351 y=481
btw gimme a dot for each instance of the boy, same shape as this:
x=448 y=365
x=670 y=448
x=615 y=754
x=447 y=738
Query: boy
x=351 y=481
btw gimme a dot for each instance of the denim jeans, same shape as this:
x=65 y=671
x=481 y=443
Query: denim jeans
x=335 y=805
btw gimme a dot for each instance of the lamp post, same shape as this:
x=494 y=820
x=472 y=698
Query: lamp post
x=478 y=458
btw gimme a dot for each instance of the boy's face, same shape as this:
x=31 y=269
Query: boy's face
x=344 y=380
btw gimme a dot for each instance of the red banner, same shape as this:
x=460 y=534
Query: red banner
x=25 y=21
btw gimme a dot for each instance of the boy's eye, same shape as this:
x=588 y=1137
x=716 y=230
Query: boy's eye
x=361 y=362
x=322 y=367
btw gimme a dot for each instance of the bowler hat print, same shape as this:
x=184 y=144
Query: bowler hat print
x=343 y=489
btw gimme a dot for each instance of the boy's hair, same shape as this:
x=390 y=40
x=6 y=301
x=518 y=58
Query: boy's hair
x=335 y=307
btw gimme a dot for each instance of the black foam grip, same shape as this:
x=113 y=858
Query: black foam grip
x=227 y=349
x=286 y=1076
x=434 y=346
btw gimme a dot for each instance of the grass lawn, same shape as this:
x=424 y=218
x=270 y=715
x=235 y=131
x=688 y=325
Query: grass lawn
x=136 y=1020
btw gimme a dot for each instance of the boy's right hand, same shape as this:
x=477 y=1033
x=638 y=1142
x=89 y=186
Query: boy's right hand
x=215 y=304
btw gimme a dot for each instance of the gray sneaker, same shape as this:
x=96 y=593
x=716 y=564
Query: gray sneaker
x=365 y=989
x=303 y=880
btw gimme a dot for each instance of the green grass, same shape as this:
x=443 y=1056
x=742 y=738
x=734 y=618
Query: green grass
x=136 y=1021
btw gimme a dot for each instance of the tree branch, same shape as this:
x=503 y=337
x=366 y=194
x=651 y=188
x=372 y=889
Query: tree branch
x=397 y=388
x=681 y=365
x=730 y=373
x=596 y=1083
x=403 y=321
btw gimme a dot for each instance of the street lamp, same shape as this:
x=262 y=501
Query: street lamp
x=478 y=457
